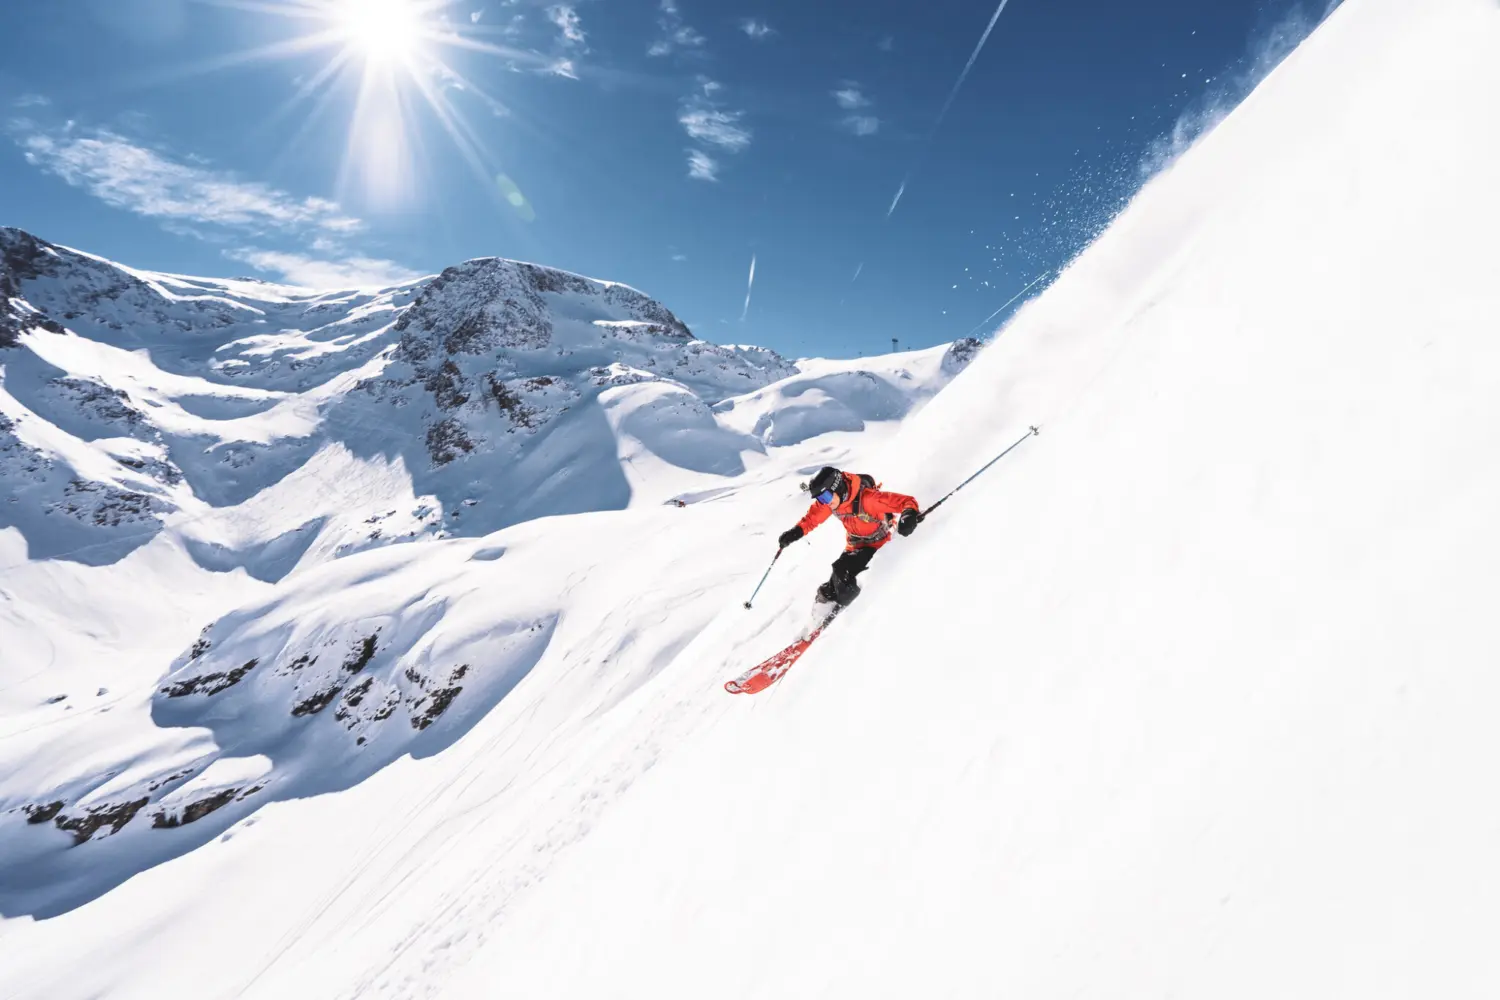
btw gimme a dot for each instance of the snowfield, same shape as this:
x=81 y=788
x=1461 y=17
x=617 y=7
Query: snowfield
x=1192 y=695
x=250 y=558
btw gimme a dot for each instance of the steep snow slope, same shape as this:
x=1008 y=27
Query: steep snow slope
x=1194 y=696
x=1190 y=696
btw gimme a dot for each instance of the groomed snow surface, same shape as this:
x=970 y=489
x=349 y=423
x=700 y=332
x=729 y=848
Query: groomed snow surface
x=1192 y=696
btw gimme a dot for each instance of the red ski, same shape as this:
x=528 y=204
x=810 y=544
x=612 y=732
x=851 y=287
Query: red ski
x=758 y=678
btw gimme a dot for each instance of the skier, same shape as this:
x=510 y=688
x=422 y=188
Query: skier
x=868 y=515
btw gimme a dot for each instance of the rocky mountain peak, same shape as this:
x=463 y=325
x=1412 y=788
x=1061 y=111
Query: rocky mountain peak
x=23 y=257
x=491 y=304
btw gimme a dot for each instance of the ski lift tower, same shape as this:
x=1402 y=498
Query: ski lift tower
x=894 y=348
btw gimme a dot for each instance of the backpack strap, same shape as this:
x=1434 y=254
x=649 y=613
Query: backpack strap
x=857 y=503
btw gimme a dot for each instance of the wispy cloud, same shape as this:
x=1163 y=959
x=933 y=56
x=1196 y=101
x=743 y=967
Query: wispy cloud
x=850 y=96
x=749 y=290
x=141 y=180
x=701 y=166
x=758 y=30
x=568 y=23
x=312 y=272
x=190 y=197
x=701 y=113
x=475 y=17
x=708 y=122
x=715 y=126
x=887 y=43
x=562 y=67
x=676 y=34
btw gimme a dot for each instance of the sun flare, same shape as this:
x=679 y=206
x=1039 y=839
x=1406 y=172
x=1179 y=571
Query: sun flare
x=382 y=30
x=399 y=61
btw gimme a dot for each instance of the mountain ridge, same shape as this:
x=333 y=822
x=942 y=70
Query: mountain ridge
x=132 y=396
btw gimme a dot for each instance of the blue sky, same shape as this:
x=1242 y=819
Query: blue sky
x=663 y=143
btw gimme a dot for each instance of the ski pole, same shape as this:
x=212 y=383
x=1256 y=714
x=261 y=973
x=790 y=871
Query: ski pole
x=966 y=482
x=767 y=573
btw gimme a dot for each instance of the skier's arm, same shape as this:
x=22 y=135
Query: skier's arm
x=816 y=515
x=883 y=504
x=896 y=507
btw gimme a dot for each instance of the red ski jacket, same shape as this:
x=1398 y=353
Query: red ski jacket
x=867 y=513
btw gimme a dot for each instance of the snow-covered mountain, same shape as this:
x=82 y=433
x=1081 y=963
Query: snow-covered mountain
x=1191 y=695
x=130 y=395
x=174 y=446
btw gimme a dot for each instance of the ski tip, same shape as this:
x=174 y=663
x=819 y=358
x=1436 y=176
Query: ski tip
x=732 y=687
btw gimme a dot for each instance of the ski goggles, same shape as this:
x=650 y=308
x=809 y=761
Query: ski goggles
x=826 y=497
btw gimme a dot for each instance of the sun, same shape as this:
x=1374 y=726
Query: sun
x=399 y=61
x=383 y=31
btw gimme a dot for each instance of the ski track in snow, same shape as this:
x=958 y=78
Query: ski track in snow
x=1190 y=696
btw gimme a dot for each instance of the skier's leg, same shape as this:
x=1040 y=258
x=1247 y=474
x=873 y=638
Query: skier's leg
x=841 y=586
x=824 y=605
x=839 y=589
x=828 y=590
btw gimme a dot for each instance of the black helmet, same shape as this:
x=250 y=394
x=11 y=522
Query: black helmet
x=829 y=478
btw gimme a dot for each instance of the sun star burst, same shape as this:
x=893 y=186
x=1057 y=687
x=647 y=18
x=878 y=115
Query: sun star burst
x=399 y=57
x=382 y=30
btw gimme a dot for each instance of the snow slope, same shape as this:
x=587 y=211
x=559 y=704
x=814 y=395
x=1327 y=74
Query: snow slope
x=1190 y=696
x=265 y=435
x=1194 y=698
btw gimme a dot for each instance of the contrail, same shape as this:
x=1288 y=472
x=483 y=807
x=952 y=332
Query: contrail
x=968 y=66
x=749 y=289
x=896 y=200
x=952 y=95
x=857 y=271
x=1013 y=298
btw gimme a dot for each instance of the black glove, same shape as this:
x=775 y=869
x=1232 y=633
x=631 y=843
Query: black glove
x=789 y=536
x=908 y=523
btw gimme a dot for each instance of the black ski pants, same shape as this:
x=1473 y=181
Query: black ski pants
x=841 y=586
